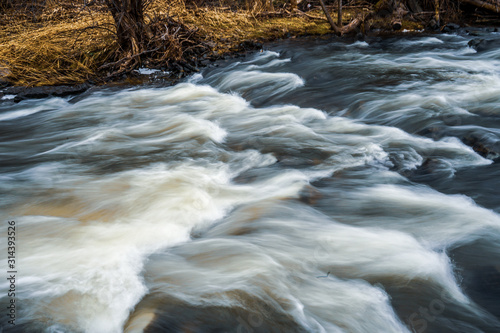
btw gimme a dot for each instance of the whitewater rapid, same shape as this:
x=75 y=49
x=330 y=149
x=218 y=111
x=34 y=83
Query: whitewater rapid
x=262 y=196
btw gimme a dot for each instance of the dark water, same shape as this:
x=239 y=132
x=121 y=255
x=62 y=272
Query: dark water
x=317 y=186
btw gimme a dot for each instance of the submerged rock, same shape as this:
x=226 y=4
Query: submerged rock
x=482 y=148
x=450 y=27
x=482 y=45
x=45 y=91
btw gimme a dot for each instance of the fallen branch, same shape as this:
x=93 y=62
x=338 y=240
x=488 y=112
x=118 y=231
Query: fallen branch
x=352 y=25
x=483 y=4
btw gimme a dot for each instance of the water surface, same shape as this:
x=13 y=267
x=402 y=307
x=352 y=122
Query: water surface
x=316 y=186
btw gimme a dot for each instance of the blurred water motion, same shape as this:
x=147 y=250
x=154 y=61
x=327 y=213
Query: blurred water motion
x=318 y=186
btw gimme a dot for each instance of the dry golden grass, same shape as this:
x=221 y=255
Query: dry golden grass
x=52 y=52
x=228 y=28
x=67 y=44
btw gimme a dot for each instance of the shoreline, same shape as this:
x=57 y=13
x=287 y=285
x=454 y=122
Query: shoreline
x=66 y=47
x=156 y=77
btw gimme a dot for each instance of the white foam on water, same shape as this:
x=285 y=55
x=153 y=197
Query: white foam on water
x=263 y=55
x=195 y=78
x=150 y=168
x=437 y=219
x=422 y=41
x=8 y=96
x=358 y=43
x=270 y=83
x=116 y=221
x=24 y=111
x=147 y=71
x=272 y=63
x=468 y=50
x=276 y=252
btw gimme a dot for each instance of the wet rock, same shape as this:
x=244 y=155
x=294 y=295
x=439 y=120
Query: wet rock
x=254 y=315
x=450 y=27
x=4 y=83
x=474 y=43
x=250 y=45
x=45 y=91
x=474 y=33
x=84 y=95
x=433 y=25
x=205 y=62
x=482 y=148
x=431 y=169
x=309 y=195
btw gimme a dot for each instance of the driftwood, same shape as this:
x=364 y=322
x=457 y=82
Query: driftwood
x=353 y=25
x=397 y=18
x=493 y=7
x=396 y=24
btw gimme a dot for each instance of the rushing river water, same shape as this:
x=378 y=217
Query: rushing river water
x=317 y=186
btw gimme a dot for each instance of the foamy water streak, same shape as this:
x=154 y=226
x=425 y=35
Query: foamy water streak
x=262 y=196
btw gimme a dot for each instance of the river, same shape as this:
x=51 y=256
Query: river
x=315 y=186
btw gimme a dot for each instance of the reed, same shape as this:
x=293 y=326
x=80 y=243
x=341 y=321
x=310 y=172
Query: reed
x=58 y=42
x=57 y=46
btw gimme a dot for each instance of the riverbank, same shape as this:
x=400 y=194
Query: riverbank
x=60 y=50
x=68 y=45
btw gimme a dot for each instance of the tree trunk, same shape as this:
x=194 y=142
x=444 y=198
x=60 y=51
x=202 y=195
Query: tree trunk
x=129 y=21
x=329 y=18
x=339 y=18
x=436 y=8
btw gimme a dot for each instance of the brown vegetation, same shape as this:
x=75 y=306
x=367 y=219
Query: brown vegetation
x=67 y=42
x=53 y=42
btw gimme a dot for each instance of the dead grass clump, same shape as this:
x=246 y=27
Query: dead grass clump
x=53 y=53
x=174 y=41
x=228 y=28
x=67 y=42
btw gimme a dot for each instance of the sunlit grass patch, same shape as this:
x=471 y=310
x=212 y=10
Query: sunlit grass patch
x=66 y=44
